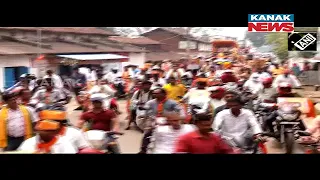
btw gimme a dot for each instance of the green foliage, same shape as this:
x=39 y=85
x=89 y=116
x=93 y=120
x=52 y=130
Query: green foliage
x=257 y=38
x=279 y=41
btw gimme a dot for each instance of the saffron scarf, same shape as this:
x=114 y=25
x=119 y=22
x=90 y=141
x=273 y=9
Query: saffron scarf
x=160 y=107
x=3 y=125
x=46 y=147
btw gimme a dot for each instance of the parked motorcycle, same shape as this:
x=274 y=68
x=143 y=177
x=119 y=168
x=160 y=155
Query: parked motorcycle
x=102 y=142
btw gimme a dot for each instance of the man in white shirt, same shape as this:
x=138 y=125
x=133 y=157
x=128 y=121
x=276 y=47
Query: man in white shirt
x=72 y=134
x=47 y=140
x=287 y=78
x=55 y=78
x=139 y=98
x=254 y=85
x=237 y=122
x=165 y=137
x=261 y=74
x=111 y=76
x=216 y=96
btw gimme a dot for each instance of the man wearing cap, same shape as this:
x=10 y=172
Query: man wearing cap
x=16 y=123
x=56 y=79
x=99 y=118
x=156 y=77
x=288 y=78
x=261 y=73
x=47 y=140
x=23 y=83
x=74 y=135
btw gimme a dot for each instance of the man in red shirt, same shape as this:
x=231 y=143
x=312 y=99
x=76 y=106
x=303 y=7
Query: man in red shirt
x=202 y=141
x=99 y=118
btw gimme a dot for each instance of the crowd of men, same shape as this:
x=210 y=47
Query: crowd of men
x=166 y=90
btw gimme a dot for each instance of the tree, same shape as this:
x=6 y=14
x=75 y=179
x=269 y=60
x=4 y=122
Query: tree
x=279 y=41
x=257 y=38
x=307 y=54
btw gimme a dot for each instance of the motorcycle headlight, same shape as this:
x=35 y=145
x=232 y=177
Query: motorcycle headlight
x=289 y=116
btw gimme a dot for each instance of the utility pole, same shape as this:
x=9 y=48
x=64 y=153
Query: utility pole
x=188 y=43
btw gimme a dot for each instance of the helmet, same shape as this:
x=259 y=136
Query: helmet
x=284 y=88
x=267 y=82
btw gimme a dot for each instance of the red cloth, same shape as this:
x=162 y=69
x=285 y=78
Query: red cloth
x=194 y=143
x=100 y=121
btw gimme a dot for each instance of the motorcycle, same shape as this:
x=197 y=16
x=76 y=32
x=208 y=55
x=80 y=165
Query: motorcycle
x=262 y=110
x=120 y=85
x=287 y=125
x=249 y=146
x=104 y=142
x=149 y=128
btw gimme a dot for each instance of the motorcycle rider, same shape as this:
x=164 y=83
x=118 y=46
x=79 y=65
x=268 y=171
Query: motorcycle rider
x=74 y=135
x=175 y=90
x=237 y=122
x=49 y=95
x=254 y=84
x=201 y=140
x=261 y=73
x=288 y=78
x=165 y=137
x=23 y=83
x=157 y=108
x=56 y=79
x=47 y=140
x=139 y=98
x=228 y=95
x=267 y=92
x=229 y=80
x=79 y=82
x=99 y=118
x=284 y=89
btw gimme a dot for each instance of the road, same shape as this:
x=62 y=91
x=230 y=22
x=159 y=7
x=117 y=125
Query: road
x=131 y=140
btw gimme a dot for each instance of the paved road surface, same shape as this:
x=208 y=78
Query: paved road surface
x=131 y=140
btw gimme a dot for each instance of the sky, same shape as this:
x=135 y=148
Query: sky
x=238 y=32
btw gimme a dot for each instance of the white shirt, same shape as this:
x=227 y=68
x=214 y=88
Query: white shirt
x=254 y=87
x=291 y=79
x=143 y=97
x=236 y=127
x=56 y=80
x=76 y=137
x=16 y=122
x=62 y=146
x=194 y=94
x=106 y=89
x=261 y=76
x=166 y=138
x=217 y=103
x=112 y=76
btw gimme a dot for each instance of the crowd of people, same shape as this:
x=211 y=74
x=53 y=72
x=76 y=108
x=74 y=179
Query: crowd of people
x=179 y=108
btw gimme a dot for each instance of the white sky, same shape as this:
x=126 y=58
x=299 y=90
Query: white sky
x=238 y=32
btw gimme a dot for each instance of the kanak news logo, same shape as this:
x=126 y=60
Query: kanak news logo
x=270 y=23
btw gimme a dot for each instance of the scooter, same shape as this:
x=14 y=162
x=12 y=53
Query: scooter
x=102 y=142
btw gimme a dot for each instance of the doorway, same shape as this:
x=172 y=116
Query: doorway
x=12 y=75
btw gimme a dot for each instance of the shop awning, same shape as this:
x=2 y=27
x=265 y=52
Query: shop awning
x=86 y=57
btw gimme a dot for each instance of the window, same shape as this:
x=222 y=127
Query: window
x=204 y=47
x=184 y=45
